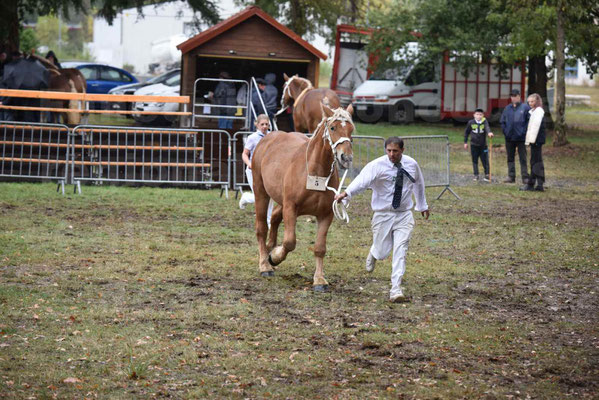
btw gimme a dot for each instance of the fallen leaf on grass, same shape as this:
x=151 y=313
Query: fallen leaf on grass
x=72 y=380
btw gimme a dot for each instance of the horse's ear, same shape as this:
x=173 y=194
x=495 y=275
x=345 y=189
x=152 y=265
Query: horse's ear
x=350 y=109
x=285 y=77
x=326 y=110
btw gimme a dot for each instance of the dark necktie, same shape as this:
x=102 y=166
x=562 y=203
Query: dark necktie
x=399 y=185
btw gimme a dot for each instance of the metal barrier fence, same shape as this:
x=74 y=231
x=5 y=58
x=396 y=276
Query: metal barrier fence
x=174 y=156
x=237 y=164
x=366 y=149
x=171 y=156
x=34 y=151
x=432 y=155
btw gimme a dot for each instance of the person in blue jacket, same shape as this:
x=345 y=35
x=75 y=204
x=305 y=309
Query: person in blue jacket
x=514 y=121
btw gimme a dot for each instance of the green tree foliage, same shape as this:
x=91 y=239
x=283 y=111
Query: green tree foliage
x=47 y=31
x=310 y=17
x=28 y=40
x=502 y=30
x=12 y=12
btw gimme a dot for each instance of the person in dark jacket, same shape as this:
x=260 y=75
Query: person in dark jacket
x=514 y=121
x=270 y=94
x=256 y=97
x=478 y=130
x=535 y=137
x=53 y=59
x=225 y=94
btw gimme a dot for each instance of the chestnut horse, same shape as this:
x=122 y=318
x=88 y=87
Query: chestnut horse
x=281 y=166
x=306 y=101
x=65 y=80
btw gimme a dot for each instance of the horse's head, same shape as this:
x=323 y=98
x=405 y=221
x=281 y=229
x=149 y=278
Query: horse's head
x=339 y=127
x=292 y=88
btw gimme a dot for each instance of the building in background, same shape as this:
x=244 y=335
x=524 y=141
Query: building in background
x=147 y=43
x=577 y=75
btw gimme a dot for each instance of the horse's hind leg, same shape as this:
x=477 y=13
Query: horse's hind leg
x=275 y=221
x=261 y=204
x=279 y=253
x=320 y=248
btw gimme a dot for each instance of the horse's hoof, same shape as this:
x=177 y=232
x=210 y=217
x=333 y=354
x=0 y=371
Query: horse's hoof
x=271 y=262
x=266 y=274
x=321 y=288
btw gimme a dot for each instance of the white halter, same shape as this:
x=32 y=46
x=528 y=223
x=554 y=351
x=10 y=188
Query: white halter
x=286 y=89
x=339 y=114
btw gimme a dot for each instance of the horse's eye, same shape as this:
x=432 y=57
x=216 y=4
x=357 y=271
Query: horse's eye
x=332 y=128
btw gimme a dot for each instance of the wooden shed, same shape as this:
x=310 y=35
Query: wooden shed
x=248 y=44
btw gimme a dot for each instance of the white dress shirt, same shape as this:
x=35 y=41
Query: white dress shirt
x=252 y=141
x=380 y=174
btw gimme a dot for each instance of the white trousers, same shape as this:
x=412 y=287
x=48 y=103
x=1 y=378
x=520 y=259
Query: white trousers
x=251 y=199
x=391 y=230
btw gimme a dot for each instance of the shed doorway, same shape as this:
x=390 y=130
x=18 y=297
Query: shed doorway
x=245 y=69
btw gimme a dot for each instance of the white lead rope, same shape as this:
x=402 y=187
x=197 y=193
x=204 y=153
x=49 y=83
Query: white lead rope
x=340 y=208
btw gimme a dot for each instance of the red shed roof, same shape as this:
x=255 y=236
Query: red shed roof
x=238 y=18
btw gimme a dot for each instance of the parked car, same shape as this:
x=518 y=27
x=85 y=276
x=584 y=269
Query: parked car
x=101 y=78
x=132 y=87
x=169 y=87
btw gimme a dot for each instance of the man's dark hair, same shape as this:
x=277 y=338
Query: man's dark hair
x=395 y=140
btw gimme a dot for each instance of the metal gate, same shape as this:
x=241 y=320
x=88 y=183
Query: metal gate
x=432 y=155
x=148 y=155
x=34 y=151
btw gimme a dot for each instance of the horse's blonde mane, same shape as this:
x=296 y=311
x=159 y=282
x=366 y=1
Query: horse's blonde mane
x=340 y=114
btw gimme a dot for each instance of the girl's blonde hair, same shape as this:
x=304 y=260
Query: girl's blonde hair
x=538 y=99
x=261 y=117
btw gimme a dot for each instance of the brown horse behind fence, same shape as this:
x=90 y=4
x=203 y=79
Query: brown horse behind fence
x=65 y=80
x=306 y=101
x=281 y=164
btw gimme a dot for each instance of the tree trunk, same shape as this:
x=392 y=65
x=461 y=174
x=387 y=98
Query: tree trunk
x=559 y=136
x=537 y=83
x=9 y=22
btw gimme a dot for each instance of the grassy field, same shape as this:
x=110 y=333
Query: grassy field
x=126 y=292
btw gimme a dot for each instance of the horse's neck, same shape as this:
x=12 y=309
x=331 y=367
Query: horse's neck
x=297 y=90
x=320 y=155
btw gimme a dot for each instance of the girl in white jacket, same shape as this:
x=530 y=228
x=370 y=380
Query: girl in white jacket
x=535 y=137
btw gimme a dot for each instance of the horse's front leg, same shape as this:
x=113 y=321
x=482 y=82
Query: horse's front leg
x=275 y=221
x=279 y=253
x=262 y=200
x=320 y=284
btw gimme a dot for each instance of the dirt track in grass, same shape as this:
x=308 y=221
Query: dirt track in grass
x=163 y=299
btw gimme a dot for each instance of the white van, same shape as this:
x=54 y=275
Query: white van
x=434 y=91
x=400 y=95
